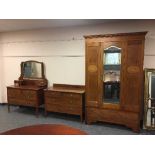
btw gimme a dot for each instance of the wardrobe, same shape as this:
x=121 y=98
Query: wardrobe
x=114 y=78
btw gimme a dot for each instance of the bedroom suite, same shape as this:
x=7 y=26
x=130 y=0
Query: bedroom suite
x=77 y=77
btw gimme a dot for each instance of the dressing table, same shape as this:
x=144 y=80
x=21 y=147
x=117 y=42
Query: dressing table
x=28 y=89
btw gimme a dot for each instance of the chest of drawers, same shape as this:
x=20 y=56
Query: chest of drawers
x=67 y=99
x=25 y=96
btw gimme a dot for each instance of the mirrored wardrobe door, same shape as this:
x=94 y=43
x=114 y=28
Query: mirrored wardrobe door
x=149 y=99
x=111 y=75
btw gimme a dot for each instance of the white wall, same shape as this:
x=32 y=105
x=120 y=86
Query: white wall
x=1 y=73
x=63 y=50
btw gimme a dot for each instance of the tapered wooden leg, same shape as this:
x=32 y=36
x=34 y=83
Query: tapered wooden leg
x=8 y=107
x=87 y=122
x=45 y=113
x=37 y=112
x=81 y=117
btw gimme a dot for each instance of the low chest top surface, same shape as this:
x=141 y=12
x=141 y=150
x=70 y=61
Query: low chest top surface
x=66 y=88
x=25 y=87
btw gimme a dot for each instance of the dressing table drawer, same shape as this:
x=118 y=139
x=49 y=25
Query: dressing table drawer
x=29 y=95
x=22 y=97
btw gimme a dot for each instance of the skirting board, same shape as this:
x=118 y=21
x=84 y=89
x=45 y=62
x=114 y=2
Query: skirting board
x=3 y=103
x=41 y=106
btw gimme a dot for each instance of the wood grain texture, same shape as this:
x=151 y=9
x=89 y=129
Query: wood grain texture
x=67 y=99
x=27 y=91
x=129 y=119
x=45 y=129
x=25 y=96
x=117 y=35
x=128 y=111
x=93 y=77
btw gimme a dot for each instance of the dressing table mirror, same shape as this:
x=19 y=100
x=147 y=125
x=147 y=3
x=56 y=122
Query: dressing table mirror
x=32 y=72
x=28 y=89
x=149 y=99
x=32 y=69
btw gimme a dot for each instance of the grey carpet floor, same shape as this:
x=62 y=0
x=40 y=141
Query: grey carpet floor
x=19 y=117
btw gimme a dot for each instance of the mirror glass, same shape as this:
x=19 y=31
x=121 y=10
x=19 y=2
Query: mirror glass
x=32 y=69
x=111 y=74
x=149 y=99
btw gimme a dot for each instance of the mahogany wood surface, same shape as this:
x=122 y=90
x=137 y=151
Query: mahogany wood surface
x=25 y=96
x=133 y=34
x=27 y=91
x=45 y=129
x=25 y=87
x=128 y=111
x=67 y=99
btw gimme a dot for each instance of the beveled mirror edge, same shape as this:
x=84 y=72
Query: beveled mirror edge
x=22 y=73
x=146 y=98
